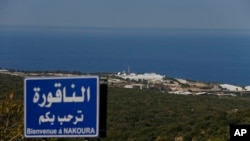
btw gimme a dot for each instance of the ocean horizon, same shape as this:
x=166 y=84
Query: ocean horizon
x=209 y=56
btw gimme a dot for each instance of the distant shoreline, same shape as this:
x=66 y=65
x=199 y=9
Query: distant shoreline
x=210 y=57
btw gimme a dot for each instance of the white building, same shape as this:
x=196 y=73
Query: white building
x=247 y=88
x=145 y=76
x=231 y=87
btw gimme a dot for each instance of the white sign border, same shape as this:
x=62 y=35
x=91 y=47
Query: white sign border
x=63 y=136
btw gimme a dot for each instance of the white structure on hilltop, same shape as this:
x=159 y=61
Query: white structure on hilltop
x=145 y=76
x=231 y=87
x=247 y=88
x=183 y=81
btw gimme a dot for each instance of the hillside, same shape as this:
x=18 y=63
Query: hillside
x=135 y=114
x=147 y=115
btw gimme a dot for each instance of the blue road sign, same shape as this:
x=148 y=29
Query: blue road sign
x=61 y=107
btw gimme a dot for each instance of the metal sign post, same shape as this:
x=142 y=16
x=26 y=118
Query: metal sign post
x=61 y=107
x=103 y=106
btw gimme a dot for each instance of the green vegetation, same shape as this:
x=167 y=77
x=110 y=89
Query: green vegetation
x=11 y=107
x=141 y=115
x=147 y=115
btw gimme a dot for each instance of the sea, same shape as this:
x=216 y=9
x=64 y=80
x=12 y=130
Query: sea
x=210 y=55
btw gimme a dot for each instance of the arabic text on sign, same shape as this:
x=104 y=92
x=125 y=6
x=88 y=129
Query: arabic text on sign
x=60 y=96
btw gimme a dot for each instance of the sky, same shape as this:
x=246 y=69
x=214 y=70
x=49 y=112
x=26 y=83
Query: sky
x=208 y=14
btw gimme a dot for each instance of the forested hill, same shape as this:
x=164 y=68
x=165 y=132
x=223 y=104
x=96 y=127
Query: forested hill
x=142 y=115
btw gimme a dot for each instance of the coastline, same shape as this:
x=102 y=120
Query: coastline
x=152 y=81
